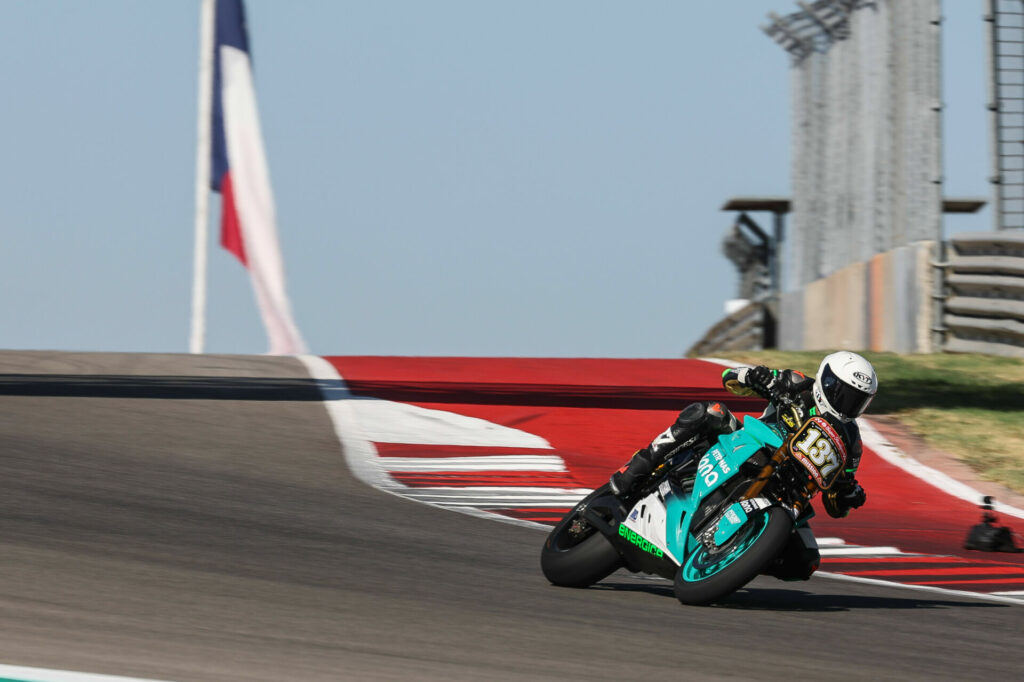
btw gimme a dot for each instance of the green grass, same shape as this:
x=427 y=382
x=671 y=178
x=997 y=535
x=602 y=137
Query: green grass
x=971 y=406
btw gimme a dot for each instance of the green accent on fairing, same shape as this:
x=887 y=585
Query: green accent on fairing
x=726 y=371
x=640 y=541
x=731 y=521
x=814 y=412
x=702 y=565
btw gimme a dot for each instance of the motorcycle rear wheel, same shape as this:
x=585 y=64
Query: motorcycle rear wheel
x=569 y=560
x=705 y=577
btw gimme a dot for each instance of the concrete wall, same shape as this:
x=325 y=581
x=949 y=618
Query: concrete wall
x=884 y=304
x=834 y=308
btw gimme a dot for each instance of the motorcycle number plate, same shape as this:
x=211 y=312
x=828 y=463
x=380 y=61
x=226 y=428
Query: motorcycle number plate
x=820 y=450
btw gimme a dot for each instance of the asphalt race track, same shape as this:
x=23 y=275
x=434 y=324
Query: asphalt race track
x=192 y=518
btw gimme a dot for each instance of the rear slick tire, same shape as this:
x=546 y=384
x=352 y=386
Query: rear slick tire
x=766 y=538
x=570 y=563
x=581 y=565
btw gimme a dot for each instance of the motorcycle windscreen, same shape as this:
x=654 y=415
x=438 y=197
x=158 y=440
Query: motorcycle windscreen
x=820 y=450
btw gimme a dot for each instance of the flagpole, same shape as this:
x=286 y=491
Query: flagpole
x=202 y=218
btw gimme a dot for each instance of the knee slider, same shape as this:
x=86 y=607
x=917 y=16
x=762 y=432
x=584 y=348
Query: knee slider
x=692 y=417
x=719 y=418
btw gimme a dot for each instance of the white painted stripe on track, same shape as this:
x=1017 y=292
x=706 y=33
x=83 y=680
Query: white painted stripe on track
x=500 y=498
x=25 y=674
x=859 y=551
x=360 y=454
x=827 y=542
x=833 y=547
x=893 y=455
x=494 y=463
x=986 y=596
x=725 y=363
x=385 y=421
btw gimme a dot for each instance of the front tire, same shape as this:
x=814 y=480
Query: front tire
x=574 y=558
x=705 y=577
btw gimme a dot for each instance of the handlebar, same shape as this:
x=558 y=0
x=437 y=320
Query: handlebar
x=781 y=399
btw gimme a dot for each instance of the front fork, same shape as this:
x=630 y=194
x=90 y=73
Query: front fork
x=761 y=481
x=766 y=473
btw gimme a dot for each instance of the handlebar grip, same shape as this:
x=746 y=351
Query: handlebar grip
x=780 y=398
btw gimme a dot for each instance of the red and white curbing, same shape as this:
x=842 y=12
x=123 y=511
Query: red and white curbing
x=362 y=424
x=893 y=455
x=837 y=547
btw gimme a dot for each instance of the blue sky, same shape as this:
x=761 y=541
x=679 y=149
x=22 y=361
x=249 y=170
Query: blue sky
x=451 y=178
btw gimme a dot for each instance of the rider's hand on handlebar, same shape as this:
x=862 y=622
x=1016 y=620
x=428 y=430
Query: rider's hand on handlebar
x=843 y=497
x=762 y=380
x=853 y=497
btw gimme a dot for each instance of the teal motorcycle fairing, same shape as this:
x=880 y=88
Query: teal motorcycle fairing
x=664 y=518
x=709 y=523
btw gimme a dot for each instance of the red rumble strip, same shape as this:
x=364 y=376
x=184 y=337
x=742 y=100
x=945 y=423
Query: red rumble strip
x=590 y=415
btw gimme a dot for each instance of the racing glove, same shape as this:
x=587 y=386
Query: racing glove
x=839 y=501
x=762 y=380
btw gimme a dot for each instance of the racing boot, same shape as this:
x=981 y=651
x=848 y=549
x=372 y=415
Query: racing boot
x=626 y=481
x=695 y=422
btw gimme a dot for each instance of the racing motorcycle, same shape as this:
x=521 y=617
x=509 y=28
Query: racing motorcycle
x=709 y=520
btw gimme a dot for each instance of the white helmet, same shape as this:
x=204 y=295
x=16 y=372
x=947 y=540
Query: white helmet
x=844 y=385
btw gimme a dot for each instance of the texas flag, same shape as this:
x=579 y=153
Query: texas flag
x=239 y=172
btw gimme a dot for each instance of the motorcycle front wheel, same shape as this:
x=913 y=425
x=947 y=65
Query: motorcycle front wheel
x=575 y=554
x=706 y=576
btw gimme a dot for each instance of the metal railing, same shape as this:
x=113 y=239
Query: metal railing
x=983 y=305
x=1006 y=104
x=749 y=328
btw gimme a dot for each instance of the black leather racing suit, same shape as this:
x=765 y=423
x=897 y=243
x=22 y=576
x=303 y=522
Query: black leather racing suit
x=845 y=494
x=701 y=420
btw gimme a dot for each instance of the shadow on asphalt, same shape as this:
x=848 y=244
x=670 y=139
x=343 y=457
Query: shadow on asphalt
x=797 y=600
x=169 y=387
x=783 y=599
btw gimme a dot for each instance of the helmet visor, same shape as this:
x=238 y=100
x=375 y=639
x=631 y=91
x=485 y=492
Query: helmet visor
x=848 y=401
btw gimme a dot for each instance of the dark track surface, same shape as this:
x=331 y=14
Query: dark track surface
x=192 y=518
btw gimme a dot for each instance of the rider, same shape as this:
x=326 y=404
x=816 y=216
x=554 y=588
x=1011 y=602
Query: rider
x=839 y=392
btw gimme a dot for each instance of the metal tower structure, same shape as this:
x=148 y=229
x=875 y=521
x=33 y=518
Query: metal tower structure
x=867 y=167
x=1006 y=104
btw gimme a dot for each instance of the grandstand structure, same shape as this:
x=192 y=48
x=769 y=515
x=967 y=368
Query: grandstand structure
x=864 y=263
x=867 y=137
x=1005 y=33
